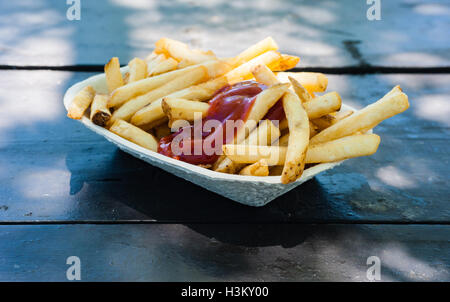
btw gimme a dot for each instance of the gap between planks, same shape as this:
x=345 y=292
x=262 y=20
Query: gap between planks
x=356 y=70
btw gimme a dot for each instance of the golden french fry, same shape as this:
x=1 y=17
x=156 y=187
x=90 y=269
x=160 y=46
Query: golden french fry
x=81 y=102
x=201 y=92
x=336 y=150
x=265 y=134
x=137 y=70
x=134 y=134
x=302 y=93
x=331 y=119
x=264 y=75
x=322 y=105
x=182 y=109
x=286 y=62
x=113 y=75
x=166 y=65
x=100 y=113
x=391 y=104
x=126 y=111
x=181 y=52
x=283 y=141
x=298 y=137
x=243 y=72
x=253 y=51
x=127 y=92
x=259 y=168
x=312 y=81
x=343 y=148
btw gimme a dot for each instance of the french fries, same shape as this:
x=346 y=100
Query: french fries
x=391 y=104
x=182 y=109
x=134 y=134
x=100 y=113
x=337 y=150
x=113 y=75
x=201 y=92
x=169 y=92
x=127 y=92
x=195 y=76
x=81 y=102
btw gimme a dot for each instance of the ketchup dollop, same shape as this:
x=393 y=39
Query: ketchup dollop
x=233 y=103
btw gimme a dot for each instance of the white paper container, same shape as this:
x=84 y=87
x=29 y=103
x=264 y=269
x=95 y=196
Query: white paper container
x=248 y=190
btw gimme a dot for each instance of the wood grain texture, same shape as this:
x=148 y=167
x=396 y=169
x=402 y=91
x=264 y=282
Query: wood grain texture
x=54 y=169
x=322 y=33
x=270 y=252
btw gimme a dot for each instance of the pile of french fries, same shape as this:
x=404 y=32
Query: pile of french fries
x=174 y=83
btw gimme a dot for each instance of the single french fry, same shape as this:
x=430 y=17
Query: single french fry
x=265 y=134
x=336 y=150
x=302 y=93
x=81 y=102
x=312 y=81
x=253 y=51
x=137 y=70
x=286 y=62
x=100 y=113
x=322 y=105
x=167 y=65
x=298 y=137
x=151 y=56
x=243 y=72
x=331 y=119
x=201 y=92
x=134 y=134
x=365 y=119
x=113 y=75
x=181 y=52
x=259 y=168
x=127 y=92
x=343 y=148
x=264 y=75
x=182 y=109
x=126 y=111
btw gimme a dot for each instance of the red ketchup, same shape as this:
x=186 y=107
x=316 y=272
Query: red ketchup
x=231 y=103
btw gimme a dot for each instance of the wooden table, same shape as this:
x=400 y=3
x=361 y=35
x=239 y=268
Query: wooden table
x=65 y=191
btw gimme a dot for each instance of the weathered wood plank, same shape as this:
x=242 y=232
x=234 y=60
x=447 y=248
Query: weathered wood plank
x=239 y=252
x=52 y=168
x=329 y=33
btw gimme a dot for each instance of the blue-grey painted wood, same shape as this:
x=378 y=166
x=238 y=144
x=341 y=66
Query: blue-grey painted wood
x=322 y=33
x=238 y=252
x=54 y=169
